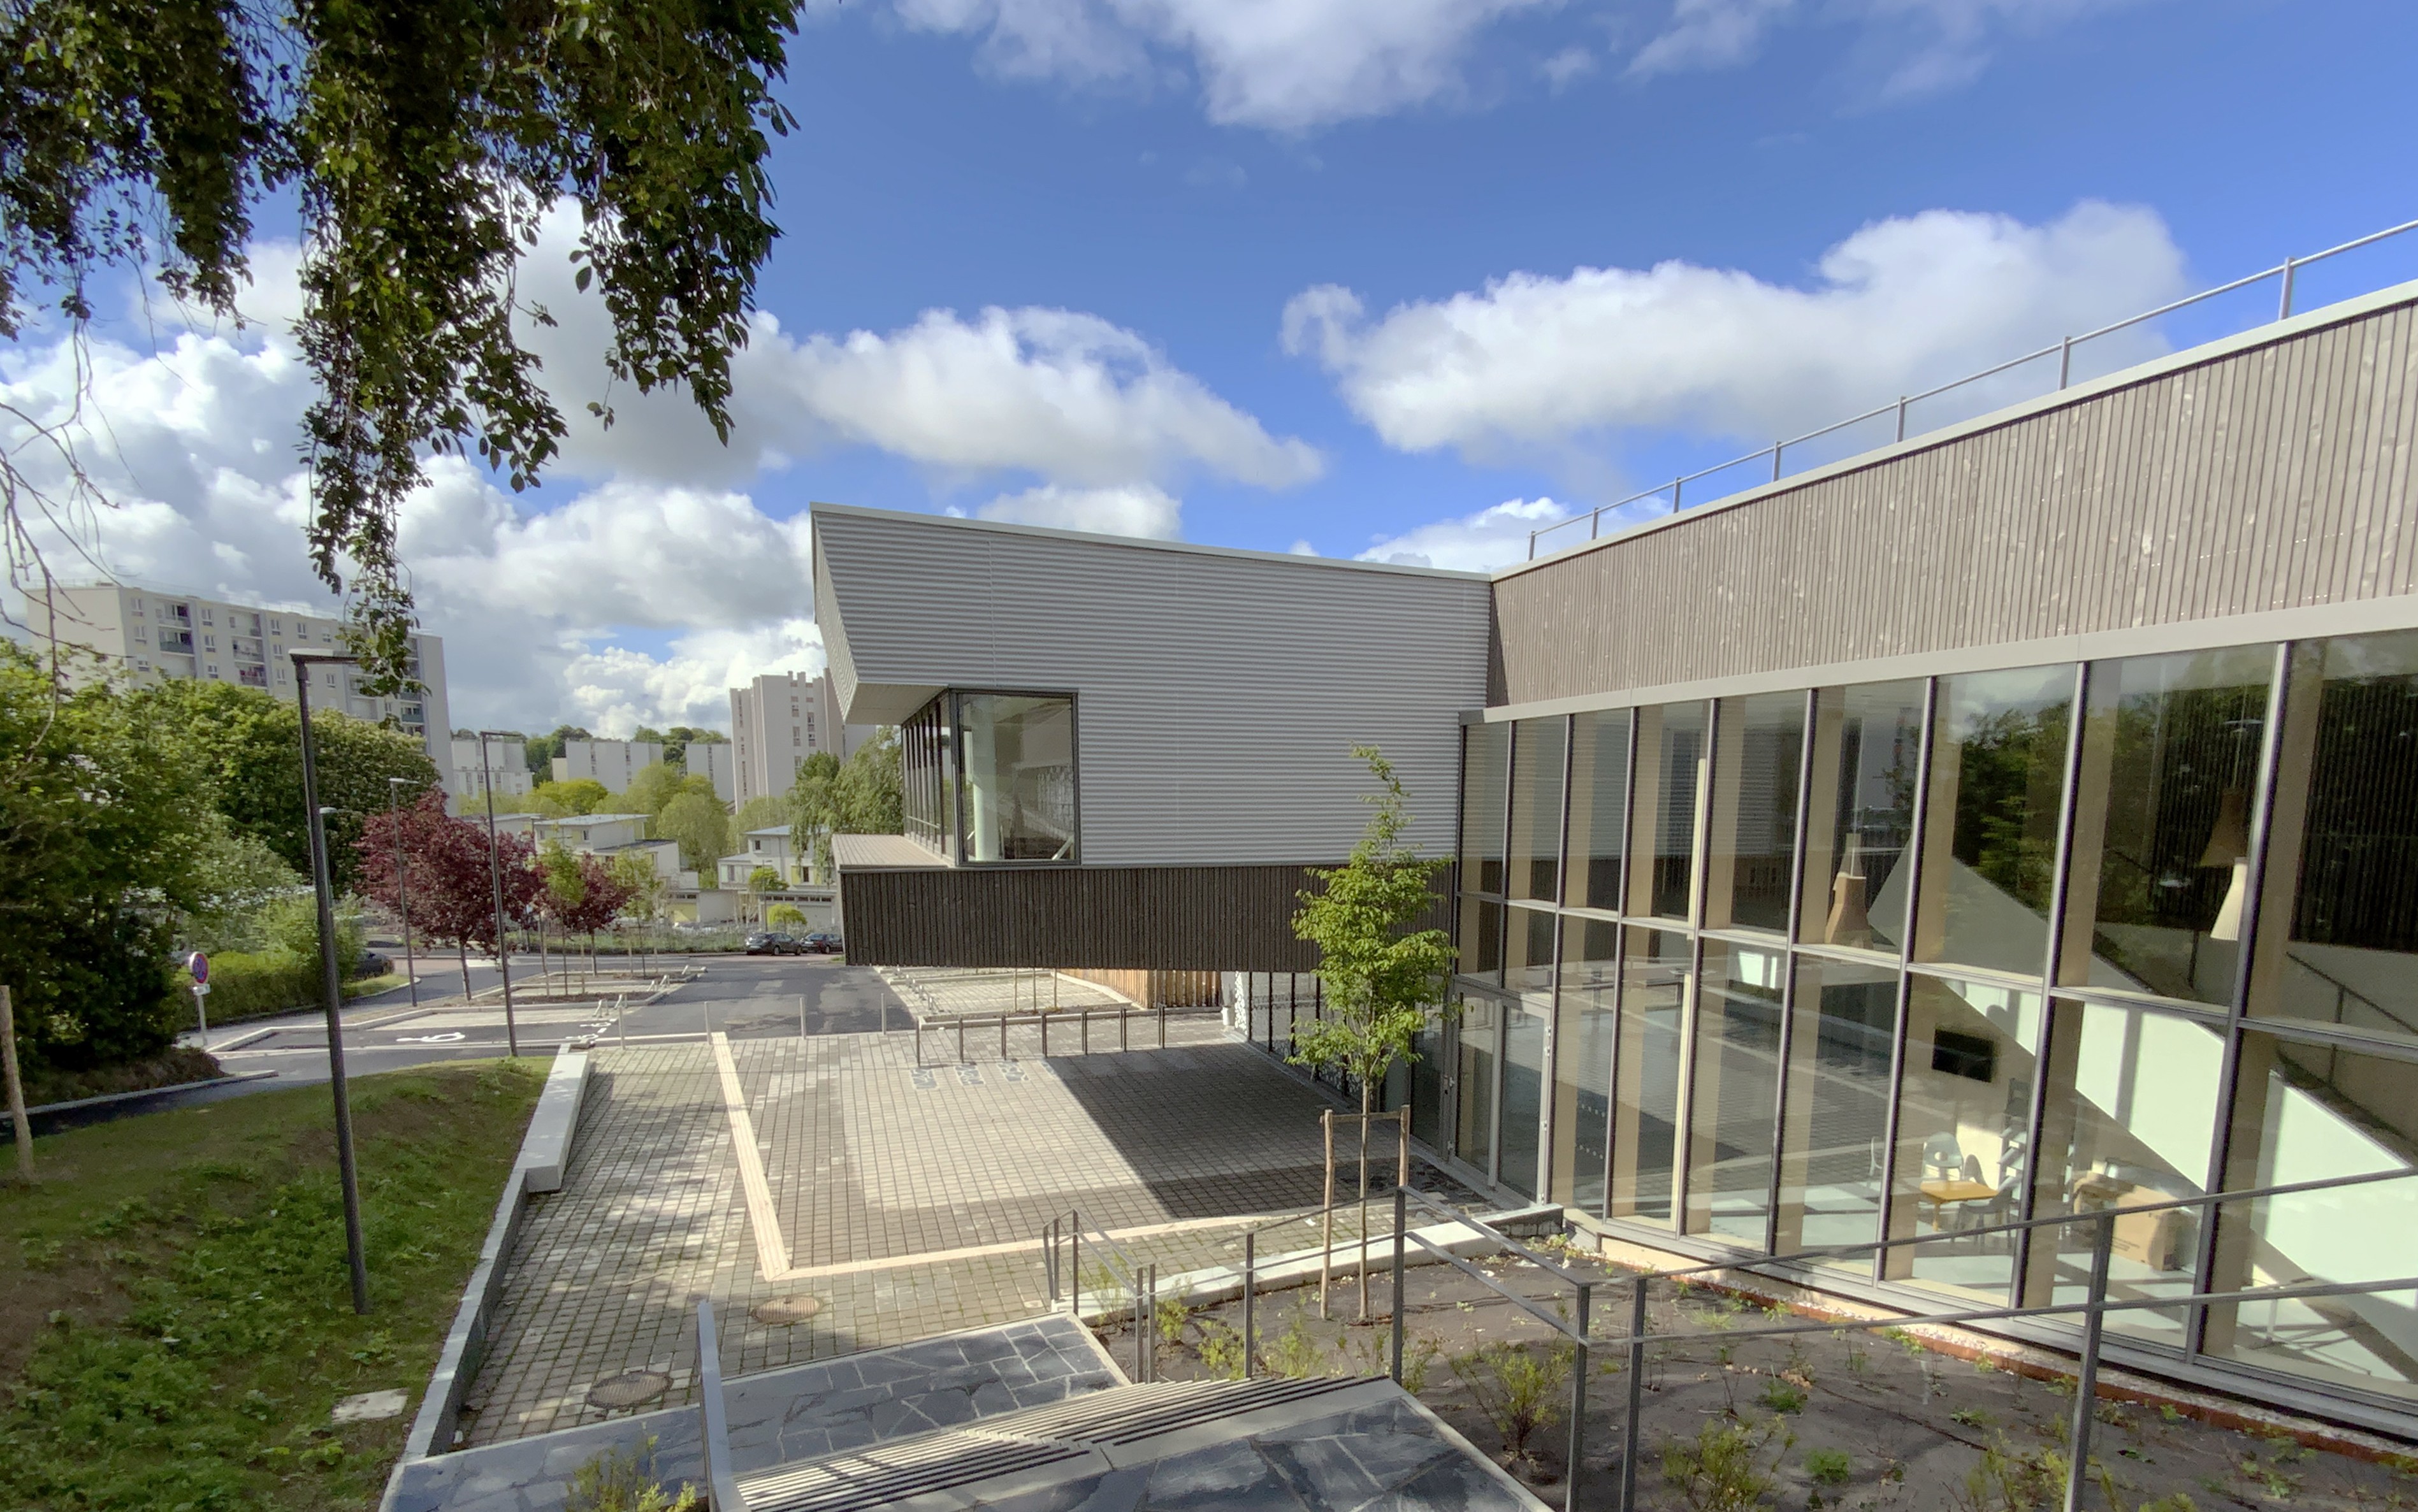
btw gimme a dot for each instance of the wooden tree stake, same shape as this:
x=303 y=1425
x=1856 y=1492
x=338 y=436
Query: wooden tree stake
x=16 y=1088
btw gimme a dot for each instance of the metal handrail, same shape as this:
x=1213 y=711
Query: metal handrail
x=1141 y=1281
x=1082 y=1014
x=721 y=1474
x=2062 y=350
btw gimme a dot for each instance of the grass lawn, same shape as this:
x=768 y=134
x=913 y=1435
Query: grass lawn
x=175 y=1318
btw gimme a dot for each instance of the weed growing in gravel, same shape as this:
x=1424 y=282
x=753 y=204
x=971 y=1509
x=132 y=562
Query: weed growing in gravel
x=1728 y=1466
x=1827 y=1467
x=1518 y=1388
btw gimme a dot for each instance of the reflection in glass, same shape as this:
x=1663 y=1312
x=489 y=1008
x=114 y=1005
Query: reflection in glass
x=1598 y=808
x=926 y=778
x=1485 y=768
x=1867 y=751
x=1528 y=954
x=1429 y=1074
x=1844 y=1025
x=1481 y=937
x=1964 y=1126
x=1481 y=1023
x=2161 y=864
x=1019 y=754
x=1670 y=765
x=2129 y=1120
x=2304 y=1113
x=1534 y=868
x=2338 y=924
x=1583 y=1036
x=1645 y=1094
x=1752 y=847
x=1737 y=1092
x=1997 y=775
x=1524 y=1094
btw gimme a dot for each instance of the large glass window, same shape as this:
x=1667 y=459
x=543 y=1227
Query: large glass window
x=2304 y=1113
x=1020 y=762
x=1528 y=954
x=1582 y=1039
x=1844 y=1026
x=1670 y=769
x=1535 y=866
x=1867 y=758
x=2338 y=920
x=927 y=779
x=1523 y=1093
x=2129 y=1122
x=1989 y=853
x=1645 y=1094
x=1480 y=1029
x=1598 y=808
x=1737 y=1096
x=1964 y=1123
x=1481 y=937
x=1430 y=1076
x=1751 y=850
x=2161 y=805
x=1485 y=768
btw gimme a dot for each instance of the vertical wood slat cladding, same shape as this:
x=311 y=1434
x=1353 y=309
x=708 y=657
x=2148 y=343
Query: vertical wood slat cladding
x=1150 y=918
x=2268 y=478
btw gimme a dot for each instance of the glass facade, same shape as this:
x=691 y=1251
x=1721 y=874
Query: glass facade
x=1916 y=959
x=991 y=777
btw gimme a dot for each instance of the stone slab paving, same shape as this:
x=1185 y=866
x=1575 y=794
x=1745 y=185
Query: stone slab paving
x=872 y=1161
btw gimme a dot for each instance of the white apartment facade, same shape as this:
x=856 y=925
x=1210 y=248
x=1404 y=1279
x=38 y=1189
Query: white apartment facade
x=714 y=760
x=778 y=721
x=154 y=634
x=505 y=766
x=610 y=762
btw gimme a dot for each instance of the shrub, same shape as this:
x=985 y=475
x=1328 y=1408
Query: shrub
x=1827 y=1467
x=1518 y=1388
x=1728 y=1466
x=618 y=1482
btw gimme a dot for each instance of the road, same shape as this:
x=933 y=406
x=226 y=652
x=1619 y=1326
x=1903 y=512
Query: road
x=746 y=997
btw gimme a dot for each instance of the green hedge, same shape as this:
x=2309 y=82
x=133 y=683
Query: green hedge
x=255 y=985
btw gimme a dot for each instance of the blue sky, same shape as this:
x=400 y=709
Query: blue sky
x=1334 y=275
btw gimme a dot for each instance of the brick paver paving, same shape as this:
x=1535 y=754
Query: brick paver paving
x=870 y=1158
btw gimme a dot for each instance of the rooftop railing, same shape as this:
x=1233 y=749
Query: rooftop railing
x=2286 y=275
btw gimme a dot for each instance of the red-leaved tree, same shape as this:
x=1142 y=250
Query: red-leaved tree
x=453 y=893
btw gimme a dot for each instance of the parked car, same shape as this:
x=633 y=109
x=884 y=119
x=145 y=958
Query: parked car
x=825 y=942
x=775 y=944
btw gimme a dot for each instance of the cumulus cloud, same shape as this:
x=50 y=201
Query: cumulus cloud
x=1533 y=360
x=1138 y=509
x=1917 y=47
x=1281 y=65
x=1479 y=542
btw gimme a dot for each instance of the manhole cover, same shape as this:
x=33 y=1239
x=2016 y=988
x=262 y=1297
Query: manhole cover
x=630 y=1388
x=793 y=1309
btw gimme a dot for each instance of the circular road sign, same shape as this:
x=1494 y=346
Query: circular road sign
x=199 y=964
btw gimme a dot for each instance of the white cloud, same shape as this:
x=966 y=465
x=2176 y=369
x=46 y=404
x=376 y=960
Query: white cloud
x=1137 y=510
x=1534 y=361
x=1479 y=542
x=1282 y=64
x=1914 y=47
x=1567 y=66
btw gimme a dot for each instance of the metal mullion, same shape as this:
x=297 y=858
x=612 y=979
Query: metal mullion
x=1692 y=989
x=2262 y=819
x=2059 y=890
x=1788 y=974
x=1554 y=997
x=1918 y=836
x=1611 y=1084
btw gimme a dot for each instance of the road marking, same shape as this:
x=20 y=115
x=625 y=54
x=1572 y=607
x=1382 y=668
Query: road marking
x=453 y=1037
x=771 y=1249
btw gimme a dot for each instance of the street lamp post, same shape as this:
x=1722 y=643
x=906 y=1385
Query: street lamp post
x=496 y=876
x=330 y=983
x=394 y=787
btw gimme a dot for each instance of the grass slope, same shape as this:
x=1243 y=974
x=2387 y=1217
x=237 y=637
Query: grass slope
x=176 y=1320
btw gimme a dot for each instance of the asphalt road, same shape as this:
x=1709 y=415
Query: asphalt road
x=744 y=996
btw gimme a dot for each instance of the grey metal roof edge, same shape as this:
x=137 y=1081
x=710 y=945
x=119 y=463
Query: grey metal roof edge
x=2272 y=333
x=1140 y=542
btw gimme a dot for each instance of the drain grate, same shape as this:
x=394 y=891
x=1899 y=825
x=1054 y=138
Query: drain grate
x=795 y=1309
x=630 y=1388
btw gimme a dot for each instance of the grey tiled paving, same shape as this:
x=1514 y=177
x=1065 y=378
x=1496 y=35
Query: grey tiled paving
x=868 y=1158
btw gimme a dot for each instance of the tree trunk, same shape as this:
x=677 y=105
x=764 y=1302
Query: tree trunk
x=464 y=946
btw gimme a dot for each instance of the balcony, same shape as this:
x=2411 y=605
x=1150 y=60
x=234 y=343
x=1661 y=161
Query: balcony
x=252 y=676
x=177 y=641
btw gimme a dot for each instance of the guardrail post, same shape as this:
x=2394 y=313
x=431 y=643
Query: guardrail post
x=1900 y=416
x=1124 y=1042
x=1401 y=1211
x=722 y=1484
x=1250 y=1274
x=961 y=1039
x=2284 y=307
x=1162 y=1026
x=1003 y=1036
x=1631 y=1431
x=1075 y=1271
x=2086 y=1383
x=1578 y=1407
x=1049 y=1259
x=1775 y=462
x=2065 y=362
x=1086 y=1015
x=1141 y=1360
x=1676 y=483
x=1045 y=1036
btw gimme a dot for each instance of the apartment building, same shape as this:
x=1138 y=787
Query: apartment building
x=153 y=634
x=717 y=762
x=778 y=721
x=610 y=762
x=503 y=764
x=2015 y=820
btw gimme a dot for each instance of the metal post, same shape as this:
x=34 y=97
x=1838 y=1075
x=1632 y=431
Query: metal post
x=1162 y=1026
x=24 y=1131
x=496 y=876
x=202 y=1011
x=1045 y=1036
x=333 y=987
x=1578 y=1402
x=961 y=1039
x=1326 y=1212
x=403 y=879
x=1049 y=1259
x=1085 y=1015
x=801 y=1018
x=2284 y=307
x=1676 y=483
x=1142 y=1366
x=1401 y=1211
x=2065 y=362
x=1250 y=1274
x=1075 y=1271
x=720 y=1476
x=1775 y=462
x=1900 y=416
x=2086 y=1383
x=1003 y=1036
x=1125 y=1040
x=1631 y=1433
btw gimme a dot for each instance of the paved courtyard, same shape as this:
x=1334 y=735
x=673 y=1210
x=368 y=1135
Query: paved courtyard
x=903 y=1201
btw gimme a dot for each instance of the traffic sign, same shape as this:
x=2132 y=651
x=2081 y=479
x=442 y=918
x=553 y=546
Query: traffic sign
x=199 y=964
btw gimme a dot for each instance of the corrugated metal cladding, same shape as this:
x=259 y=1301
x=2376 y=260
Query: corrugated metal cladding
x=2267 y=478
x=1158 y=918
x=1219 y=695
